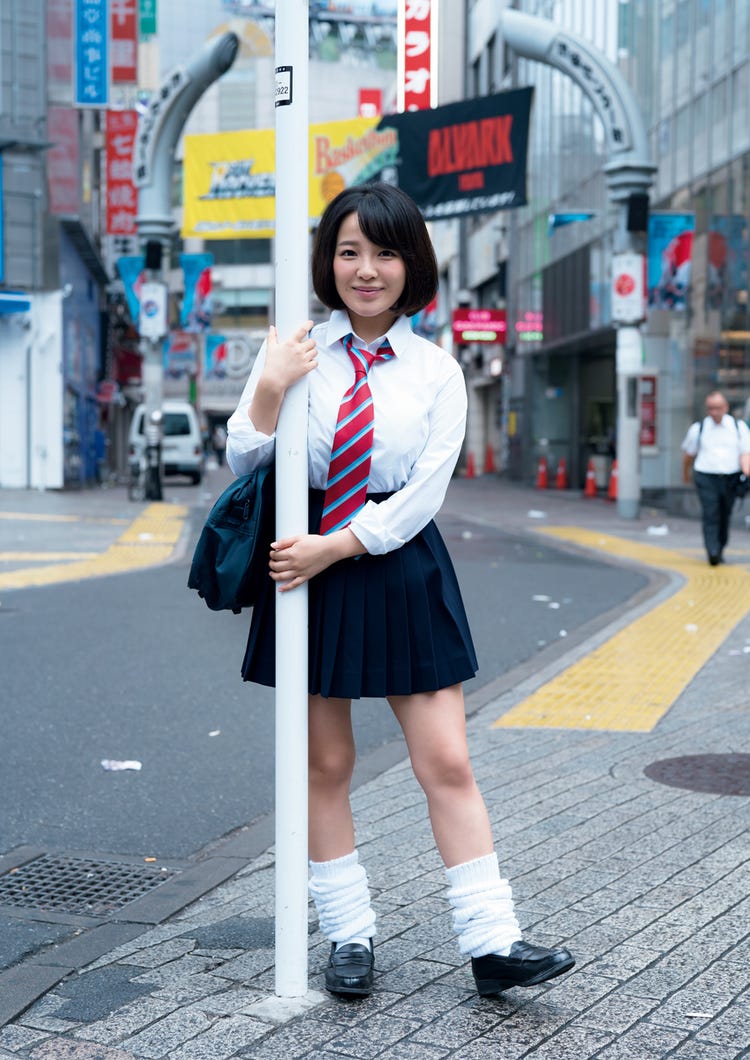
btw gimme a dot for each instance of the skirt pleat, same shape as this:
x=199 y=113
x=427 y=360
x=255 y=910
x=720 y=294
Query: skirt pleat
x=378 y=625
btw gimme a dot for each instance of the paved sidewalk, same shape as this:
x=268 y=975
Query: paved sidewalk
x=645 y=881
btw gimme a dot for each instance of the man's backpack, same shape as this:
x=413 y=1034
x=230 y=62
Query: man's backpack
x=230 y=560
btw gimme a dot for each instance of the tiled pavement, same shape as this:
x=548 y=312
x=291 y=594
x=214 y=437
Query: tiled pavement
x=647 y=883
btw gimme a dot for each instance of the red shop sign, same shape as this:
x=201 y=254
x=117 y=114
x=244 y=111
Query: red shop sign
x=479 y=325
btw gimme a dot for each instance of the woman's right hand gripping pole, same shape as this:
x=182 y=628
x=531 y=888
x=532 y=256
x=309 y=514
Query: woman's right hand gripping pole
x=286 y=363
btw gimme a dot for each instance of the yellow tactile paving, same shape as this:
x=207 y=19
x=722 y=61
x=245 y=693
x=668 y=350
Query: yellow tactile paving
x=43 y=557
x=148 y=541
x=628 y=683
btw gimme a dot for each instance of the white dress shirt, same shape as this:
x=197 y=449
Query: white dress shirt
x=718 y=445
x=419 y=400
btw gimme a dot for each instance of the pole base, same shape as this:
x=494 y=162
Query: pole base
x=628 y=508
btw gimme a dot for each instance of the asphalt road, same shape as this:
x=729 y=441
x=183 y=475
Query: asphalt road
x=136 y=667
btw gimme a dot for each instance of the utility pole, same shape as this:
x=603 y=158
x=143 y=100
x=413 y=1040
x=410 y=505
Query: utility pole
x=159 y=128
x=292 y=309
x=629 y=174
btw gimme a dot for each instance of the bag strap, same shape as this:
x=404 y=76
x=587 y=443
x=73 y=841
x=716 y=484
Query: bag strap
x=700 y=432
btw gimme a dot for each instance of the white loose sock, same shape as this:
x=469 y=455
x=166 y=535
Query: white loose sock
x=342 y=898
x=482 y=906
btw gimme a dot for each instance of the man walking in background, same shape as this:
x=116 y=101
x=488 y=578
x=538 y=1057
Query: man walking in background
x=717 y=450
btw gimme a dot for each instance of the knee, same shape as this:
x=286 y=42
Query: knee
x=448 y=770
x=332 y=765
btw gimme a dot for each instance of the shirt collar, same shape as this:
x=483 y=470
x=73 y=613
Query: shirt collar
x=398 y=335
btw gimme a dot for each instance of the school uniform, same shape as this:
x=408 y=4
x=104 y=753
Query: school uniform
x=390 y=622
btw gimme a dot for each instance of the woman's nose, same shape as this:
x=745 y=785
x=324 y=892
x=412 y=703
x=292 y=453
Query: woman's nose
x=367 y=267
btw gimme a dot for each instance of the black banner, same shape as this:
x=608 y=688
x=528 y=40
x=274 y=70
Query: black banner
x=467 y=157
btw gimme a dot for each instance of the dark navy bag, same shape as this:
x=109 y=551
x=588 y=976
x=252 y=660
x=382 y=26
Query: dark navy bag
x=231 y=558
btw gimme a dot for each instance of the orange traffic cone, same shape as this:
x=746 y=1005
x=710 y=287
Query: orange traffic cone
x=589 y=489
x=470 y=469
x=489 y=461
x=561 y=478
x=541 y=474
x=613 y=479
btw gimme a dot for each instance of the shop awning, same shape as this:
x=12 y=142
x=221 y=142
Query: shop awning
x=14 y=302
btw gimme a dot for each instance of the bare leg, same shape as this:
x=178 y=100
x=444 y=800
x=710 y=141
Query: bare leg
x=331 y=763
x=434 y=725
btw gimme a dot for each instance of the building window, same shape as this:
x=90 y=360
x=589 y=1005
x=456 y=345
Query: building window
x=240 y=251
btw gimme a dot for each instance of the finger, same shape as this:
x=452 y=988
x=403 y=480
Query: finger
x=294 y=584
x=287 y=542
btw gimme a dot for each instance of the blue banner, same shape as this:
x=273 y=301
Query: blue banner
x=132 y=276
x=2 y=234
x=196 y=305
x=91 y=53
x=670 y=255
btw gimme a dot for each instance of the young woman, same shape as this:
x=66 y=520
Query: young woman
x=387 y=414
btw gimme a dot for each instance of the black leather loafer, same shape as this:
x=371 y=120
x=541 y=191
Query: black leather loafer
x=525 y=965
x=350 y=970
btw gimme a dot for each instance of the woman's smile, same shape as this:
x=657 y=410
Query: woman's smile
x=369 y=279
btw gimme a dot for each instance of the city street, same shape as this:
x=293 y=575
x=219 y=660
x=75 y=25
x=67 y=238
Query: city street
x=135 y=667
x=623 y=828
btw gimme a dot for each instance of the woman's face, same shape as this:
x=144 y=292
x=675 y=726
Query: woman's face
x=369 y=279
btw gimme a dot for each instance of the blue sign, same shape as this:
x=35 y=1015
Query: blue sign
x=133 y=277
x=2 y=234
x=91 y=47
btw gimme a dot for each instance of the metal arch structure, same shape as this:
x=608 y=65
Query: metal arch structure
x=159 y=129
x=629 y=170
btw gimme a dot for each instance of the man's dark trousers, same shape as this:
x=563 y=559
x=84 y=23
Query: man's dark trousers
x=716 y=494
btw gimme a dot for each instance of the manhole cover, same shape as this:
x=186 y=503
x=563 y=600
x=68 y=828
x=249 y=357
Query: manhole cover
x=77 y=885
x=713 y=774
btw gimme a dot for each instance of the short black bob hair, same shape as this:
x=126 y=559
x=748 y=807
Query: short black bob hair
x=389 y=218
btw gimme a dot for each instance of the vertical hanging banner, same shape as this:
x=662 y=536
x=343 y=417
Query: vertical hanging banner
x=63 y=161
x=670 y=256
x=92 y=53
x=417 y=55
x=133 y=276
x=196 y=310
x=123 y=23
x=59 y=27
x=122 y=198
x=147 y=17
x=2 y=233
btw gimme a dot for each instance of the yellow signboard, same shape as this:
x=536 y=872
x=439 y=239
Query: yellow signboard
x=230 y=178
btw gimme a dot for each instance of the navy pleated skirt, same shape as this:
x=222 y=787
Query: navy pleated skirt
x=378 y=625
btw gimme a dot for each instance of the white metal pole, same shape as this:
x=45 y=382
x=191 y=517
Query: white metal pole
x=292 y=309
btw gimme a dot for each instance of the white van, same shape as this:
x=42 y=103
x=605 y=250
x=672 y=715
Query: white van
x=182 y=444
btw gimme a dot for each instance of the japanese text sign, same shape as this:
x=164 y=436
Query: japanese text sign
x=417 y=54
x=91 y=52
x=122 y=197
x=124 y=41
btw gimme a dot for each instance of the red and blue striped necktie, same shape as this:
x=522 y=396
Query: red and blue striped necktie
x=351 y=454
